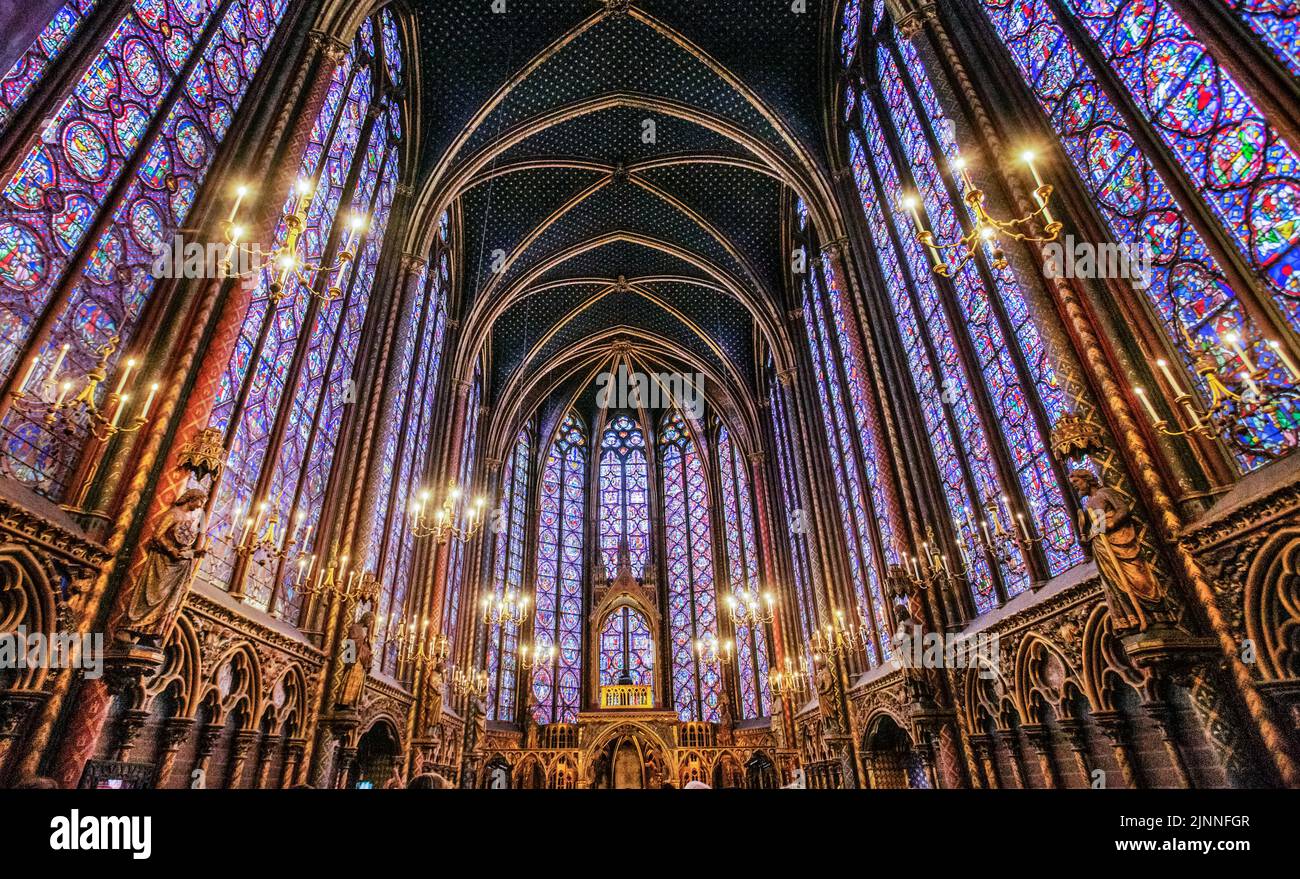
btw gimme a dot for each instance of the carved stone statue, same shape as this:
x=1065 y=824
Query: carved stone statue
x=1134 y=594
x=600 y=771
x=172 y=560
x=654 y=771
x=530 y=725
x=827 y=698
x=778 y=725
x=477 y=724
x=433 y=686
x=355 y=672
x=725 y=718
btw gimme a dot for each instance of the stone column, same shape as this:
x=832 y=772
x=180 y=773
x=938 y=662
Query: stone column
x=245 y=739
x=265 y=755
x=128 y=730
x=1115 y=727
x=175 y=732
x=1040 y=738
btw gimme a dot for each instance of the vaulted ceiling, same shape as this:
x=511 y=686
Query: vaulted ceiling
x=620 y=173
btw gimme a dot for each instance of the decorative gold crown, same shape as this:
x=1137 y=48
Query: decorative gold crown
x=204 y=455
x=1074 y=436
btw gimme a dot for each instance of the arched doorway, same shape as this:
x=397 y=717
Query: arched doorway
x=760 y=772
x=377 y=754
x=892 y=762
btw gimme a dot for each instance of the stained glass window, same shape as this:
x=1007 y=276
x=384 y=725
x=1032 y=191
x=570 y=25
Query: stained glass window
x=692 y=602
x=849 y=31
x=558 y=620
x=1245 y=174
x=16 y=85
x=281 y=423
x=798 y=524
x=1277 y=22
x=967 y=340
x=508 y=577
x=404 y=454
x=850 y=489
x=752 y=661
x=624 y=502
x=459 y=558
x=626 y=649
x=106 y=191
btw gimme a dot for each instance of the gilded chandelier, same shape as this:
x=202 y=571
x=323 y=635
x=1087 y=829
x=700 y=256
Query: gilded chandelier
x=69 y=404
x=286 y=261
x=788 y=678
x=748 y=608
x=840 y=637
x=712 y=652
x=443 y=526
x=334 y=580
x=473 y=684
x=531 y=657
x=987 y=229
x=416 y=646
x=1239 y=388
x=507 y=608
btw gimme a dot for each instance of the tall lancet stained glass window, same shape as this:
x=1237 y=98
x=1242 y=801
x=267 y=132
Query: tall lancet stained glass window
x=1277 y=22
x=282 y=424
x=1220 y=160
x=988 y=391
x=508 y=528
x=403 y=456
x=624 y=500
x=17 y=84
x=94 y=202
x=626 y=649
x=858 y=485
x=458 y=557
x=743 y=579
x=796 y=524
x=692 y=600
x=558 y=622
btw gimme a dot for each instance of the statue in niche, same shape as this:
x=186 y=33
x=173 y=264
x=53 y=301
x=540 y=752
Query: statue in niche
x=530 y=725
x=725 y=718
x=828 y=698
x=600 y=771
x=476 y=723
x=778 y=723
x=654 y=771
x=173 y=558
x=358 y=649
x=1134 y=594
x=433 y=686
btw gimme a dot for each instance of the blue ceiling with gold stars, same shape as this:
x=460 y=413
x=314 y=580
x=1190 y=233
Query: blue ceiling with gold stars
x=620 y=171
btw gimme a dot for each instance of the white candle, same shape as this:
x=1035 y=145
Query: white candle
x=239 y=198
x=148 y=402
x=117 y=413
x=63 y=392
x=58 y=361
x=1235 y=343
x=1169 y=377
x=1028 y=157
x=28 y=378
x=1151 y=410
x=1024 y=529
x=126 y=374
